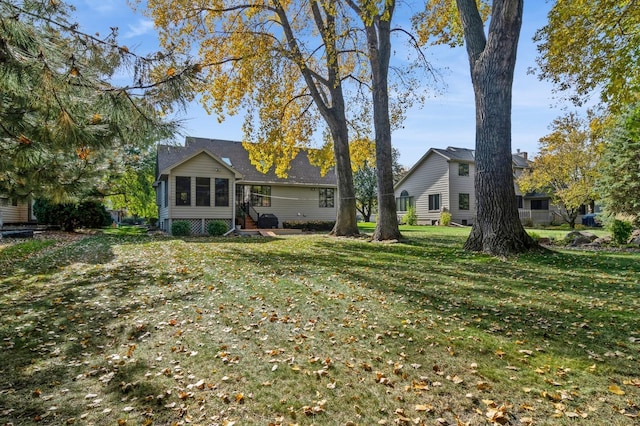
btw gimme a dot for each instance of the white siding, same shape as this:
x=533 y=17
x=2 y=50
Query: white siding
x=295 y=203
x=430 y=177
x=11 y=213
x=201 y=166
x=163 y=206
x=462 y=185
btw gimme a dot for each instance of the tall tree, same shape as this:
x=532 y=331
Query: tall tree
x=278 y=60
x=567 y=166
x=497 y=229
x=376 y=18
x=63 y=124
x=619 y=184
x=590 y=47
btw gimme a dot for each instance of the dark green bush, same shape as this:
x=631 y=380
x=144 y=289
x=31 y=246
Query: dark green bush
x=310 y=226
x=621 y=231
x=181 y=228
x=217 y=228
x=69 y=216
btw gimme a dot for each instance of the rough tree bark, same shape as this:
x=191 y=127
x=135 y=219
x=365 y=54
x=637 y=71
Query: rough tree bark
x=497 y=229
x=378 y=31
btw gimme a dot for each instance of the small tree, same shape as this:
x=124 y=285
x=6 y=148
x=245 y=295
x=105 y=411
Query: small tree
x=567 y=166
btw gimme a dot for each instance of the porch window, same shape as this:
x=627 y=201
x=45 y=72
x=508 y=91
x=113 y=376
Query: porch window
x=540 y=204
x=203 y=191
x=463 y=169
x=434 y=202
x=183 y=191
x=404 y=201
x=326 y=197
x=520 y=201
x=222 y=192
x=261 y=196
x=463 y=201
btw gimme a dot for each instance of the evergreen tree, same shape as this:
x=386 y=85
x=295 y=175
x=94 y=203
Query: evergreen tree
x=63 y=125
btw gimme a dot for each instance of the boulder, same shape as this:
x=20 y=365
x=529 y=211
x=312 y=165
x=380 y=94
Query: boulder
x=606 y=240
x=635 y=237
x=579 y=238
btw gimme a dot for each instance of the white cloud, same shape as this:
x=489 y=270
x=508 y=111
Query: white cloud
x=140 y=28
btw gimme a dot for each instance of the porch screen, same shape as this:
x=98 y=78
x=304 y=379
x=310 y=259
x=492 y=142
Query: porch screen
x=183 y=191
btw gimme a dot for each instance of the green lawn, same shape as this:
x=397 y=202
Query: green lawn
x=126 y=329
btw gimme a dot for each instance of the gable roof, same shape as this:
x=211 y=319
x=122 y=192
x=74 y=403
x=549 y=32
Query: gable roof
x=233 y=155
x=184 y=156
x=460 y=155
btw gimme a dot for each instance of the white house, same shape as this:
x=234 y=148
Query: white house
x=210 y=179
x=443 y=179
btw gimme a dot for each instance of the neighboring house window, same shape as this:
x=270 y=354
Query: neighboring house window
x=539 y=204
x=222 y=192
x=463 y=201
x=165 y=185
x=203 y=191
x=4 y=201
x=463 y=169
x=434 y=202
x=261 y=196
x=404 y=202
x=519 y=201
x=183 y=191
x=14 y=202
x=326 y=197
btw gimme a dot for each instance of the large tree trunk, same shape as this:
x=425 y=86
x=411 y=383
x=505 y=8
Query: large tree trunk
x=346 y=223
x=379 y=43
x=497 y=229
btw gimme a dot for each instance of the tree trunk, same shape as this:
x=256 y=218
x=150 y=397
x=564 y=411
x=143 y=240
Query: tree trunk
x=346 y=223
x=497 y=229
x=379 y=43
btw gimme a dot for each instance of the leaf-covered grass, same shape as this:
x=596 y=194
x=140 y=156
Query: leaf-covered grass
x=318 y=330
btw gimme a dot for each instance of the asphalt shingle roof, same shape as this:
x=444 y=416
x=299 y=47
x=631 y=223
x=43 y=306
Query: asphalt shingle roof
x=301 y=172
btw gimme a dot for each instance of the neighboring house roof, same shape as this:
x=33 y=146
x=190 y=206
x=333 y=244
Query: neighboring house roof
x=460 y=155
x=234 y=155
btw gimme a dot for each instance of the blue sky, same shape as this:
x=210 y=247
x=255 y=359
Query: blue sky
x=447 y=119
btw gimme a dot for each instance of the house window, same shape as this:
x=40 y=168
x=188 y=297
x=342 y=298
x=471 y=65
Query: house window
x=463 y=201
x=222 y=192
x=203 y=191
x=404 y=202
x=326 y=197
x=4 y=201
x=434 y=202
x=183 y=191
x=261 y=196
x=540 y=204
x=463 y=169
x=520 y=201
x=14 y=202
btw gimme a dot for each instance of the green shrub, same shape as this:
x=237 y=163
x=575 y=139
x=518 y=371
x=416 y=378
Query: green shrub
x=410 y=217
x=181 y=228
x=621 y=231
x=445 y=218
x=310 y=226
x=69 y=216
x=217 y=228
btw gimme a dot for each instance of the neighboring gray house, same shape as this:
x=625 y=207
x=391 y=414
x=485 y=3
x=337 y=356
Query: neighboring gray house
x=210 y=179
x=443 y=179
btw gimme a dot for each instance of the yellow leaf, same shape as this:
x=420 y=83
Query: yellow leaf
x=424 y=407
x=615 y=389
x=171 y=72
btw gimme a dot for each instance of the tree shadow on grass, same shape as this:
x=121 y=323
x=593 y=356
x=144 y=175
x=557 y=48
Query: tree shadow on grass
x=568 y=307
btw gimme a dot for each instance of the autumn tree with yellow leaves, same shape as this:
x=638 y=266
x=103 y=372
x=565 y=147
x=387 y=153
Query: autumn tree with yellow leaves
x=567 y=167
x=284 y=63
